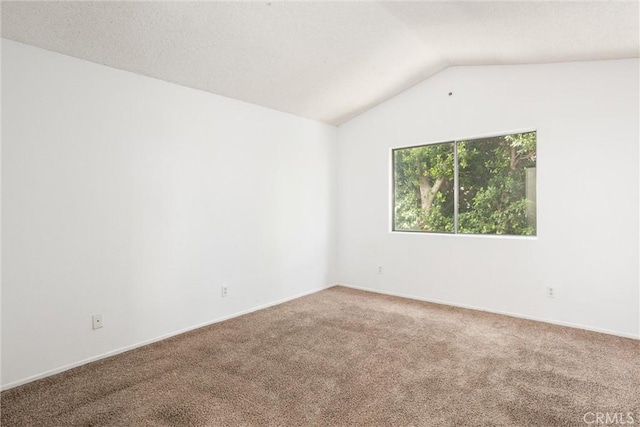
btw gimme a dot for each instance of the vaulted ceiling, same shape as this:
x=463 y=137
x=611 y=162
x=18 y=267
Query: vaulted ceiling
x=327 y=61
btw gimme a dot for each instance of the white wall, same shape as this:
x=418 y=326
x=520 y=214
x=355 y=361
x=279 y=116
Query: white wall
x=137 y=199
x=586 y=115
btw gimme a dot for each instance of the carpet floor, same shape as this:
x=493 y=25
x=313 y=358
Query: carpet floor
x=343 y=357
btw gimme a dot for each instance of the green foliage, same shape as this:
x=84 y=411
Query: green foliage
x=431 y=163
x=492 y=186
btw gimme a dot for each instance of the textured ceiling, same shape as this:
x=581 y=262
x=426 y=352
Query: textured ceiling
x=327 y=61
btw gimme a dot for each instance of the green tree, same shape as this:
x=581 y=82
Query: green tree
x=424 y=187
x=496 y=186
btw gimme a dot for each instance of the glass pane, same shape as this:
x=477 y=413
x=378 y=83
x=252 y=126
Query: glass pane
x=497 y=178
x=423 y=188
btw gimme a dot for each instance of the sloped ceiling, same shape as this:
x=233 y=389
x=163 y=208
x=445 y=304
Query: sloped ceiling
x=327 y=61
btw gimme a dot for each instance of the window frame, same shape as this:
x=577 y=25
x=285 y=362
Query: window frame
x=456 y=189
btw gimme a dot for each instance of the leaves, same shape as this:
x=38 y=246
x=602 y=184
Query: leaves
x=417 y=171
x=493 y=194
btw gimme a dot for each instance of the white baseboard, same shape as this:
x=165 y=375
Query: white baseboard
x=504 y=313
x=152 y=340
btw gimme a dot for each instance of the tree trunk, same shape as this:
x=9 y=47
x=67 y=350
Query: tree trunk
x=513 y=163
x=428 y=192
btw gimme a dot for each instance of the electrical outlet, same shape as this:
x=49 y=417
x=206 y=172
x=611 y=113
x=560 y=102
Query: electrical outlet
x=97 y=321
x=380 y=270
x=551 y=292
x=225 y=291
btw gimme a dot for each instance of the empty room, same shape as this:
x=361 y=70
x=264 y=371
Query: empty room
x=284 y=213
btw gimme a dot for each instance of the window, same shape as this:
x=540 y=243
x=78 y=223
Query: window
x=472 y=186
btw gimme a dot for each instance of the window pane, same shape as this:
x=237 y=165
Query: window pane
x=423 y=188
x=497 y=179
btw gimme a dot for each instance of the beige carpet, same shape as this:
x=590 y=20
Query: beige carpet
x=344 y=357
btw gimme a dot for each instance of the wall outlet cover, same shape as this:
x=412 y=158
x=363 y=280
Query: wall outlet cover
x=97 y=321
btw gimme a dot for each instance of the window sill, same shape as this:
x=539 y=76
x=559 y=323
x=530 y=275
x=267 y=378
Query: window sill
x=462 y=235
